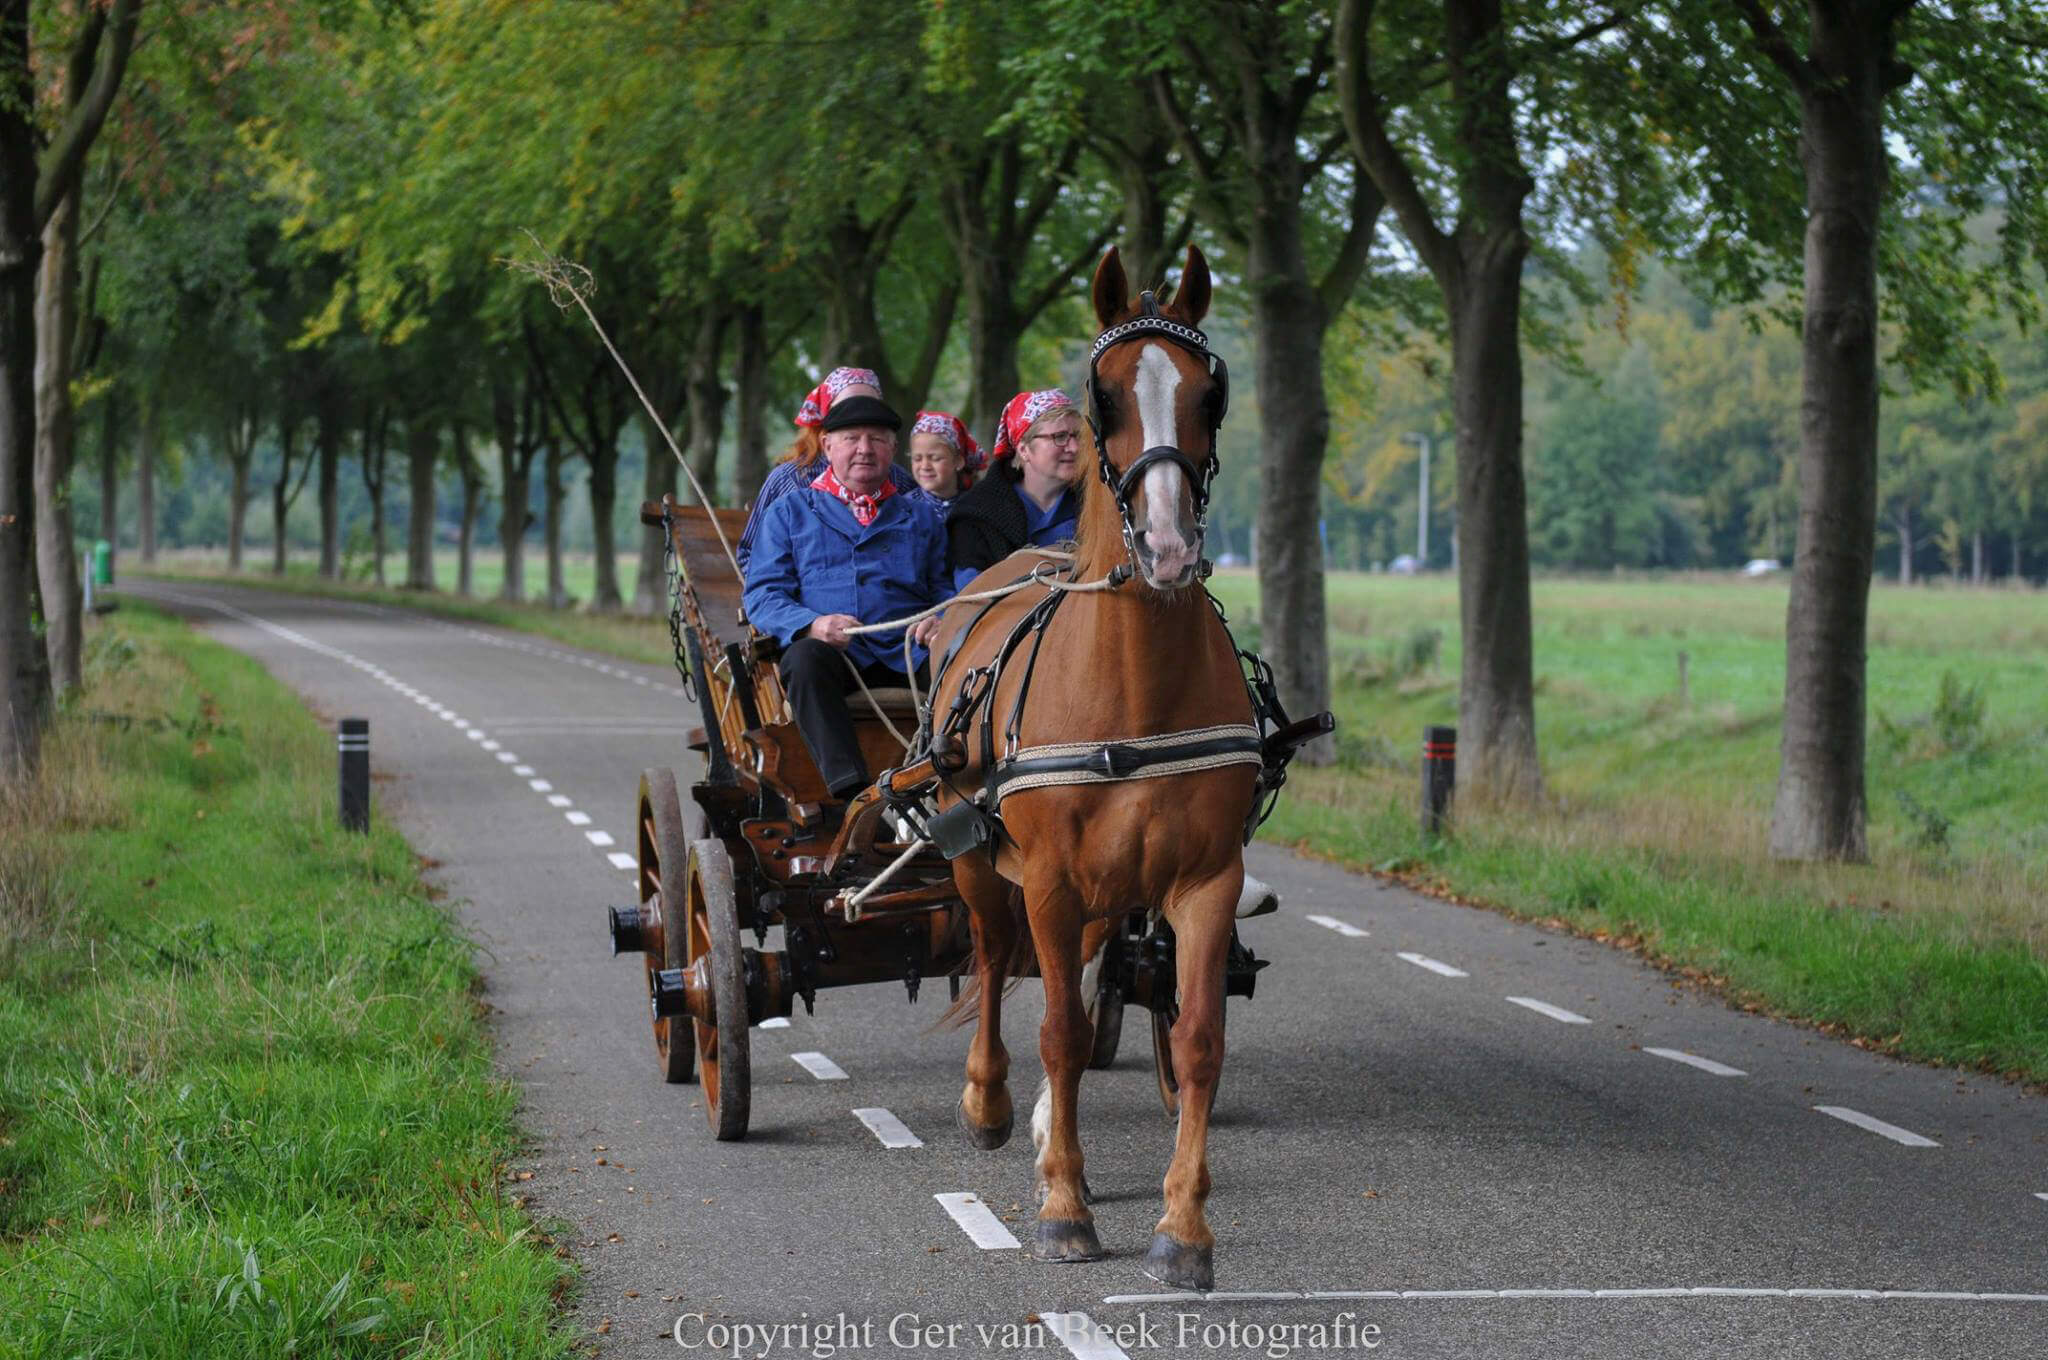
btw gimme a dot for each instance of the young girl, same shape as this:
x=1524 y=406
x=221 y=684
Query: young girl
x=943 y=458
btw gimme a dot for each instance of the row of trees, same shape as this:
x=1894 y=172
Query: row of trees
x=295 y=227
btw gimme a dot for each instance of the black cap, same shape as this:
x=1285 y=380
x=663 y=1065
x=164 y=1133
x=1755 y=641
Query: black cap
x=848 y=412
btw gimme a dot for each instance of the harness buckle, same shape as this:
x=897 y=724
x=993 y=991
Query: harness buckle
x=1115 y=761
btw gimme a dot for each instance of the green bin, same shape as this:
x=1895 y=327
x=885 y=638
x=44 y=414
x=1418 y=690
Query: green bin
x=102 y=563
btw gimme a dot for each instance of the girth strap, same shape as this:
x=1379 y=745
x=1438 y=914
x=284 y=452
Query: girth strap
x=1098 y=762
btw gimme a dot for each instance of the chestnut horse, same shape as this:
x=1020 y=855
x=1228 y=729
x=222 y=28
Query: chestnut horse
x=1148 y=658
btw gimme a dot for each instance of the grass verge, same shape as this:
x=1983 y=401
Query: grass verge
x=247 y=1105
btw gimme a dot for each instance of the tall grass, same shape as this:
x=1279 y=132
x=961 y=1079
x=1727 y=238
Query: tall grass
x=247 y=1104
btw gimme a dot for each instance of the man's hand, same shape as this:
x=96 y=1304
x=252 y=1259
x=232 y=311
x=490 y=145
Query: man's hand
x=830 y=629
x=923 y=633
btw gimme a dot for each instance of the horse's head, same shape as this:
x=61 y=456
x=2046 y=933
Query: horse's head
x=1156 y=395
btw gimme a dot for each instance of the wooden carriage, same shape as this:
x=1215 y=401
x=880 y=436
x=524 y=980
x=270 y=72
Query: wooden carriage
x=759 y=844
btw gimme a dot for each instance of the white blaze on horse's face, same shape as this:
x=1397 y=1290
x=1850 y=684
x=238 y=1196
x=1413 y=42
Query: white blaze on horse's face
x=1168 y=545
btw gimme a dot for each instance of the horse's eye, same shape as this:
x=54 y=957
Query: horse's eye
x=1105 y=406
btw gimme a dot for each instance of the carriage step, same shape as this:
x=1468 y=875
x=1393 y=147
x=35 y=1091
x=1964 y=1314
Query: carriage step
x=625 y=924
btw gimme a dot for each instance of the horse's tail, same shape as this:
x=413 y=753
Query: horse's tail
x=1013 y=966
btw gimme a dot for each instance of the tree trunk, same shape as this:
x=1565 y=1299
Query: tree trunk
x=1902 y=522
x=515 y=462
x=110 y=472
x=145 y=478
x=327 y=435
x=1287 y=326
x=472 y=498
x=558 y=593
x=1820 y=811
x=2018 y=564
x=989 y=278
x=280 y=494
x=750 y=383
x=57 y=444
x=375 y=430
x=238 y=506
x=604 y=498
x=658 y=479
x=422 y=454
x=1496 y=683
x=1977 y=558
x=706 y=397
x=22 y=670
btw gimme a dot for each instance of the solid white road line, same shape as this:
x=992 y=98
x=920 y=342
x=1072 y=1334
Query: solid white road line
x=774 y=1022
x=1433 y=965
x=621 y=860
x=978 y=1221
x=888 y=1128
x=1695 y=1060
x=1876 y=1126
x=819 y=1066
x=1080 y=1335
x=600 y=839
x=1557 y=1013
x=1694 y=1292
x=577 y=818
x=1344 y=928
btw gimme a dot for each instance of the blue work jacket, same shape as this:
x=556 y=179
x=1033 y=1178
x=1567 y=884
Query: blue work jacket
x=813 y=557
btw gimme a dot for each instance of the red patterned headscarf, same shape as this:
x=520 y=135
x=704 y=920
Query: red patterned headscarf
x=820 y=398
x=949 y=428
x=1023 y=411
x=864 y=508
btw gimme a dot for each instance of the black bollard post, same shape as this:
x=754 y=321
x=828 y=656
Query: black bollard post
x=354 y=746
x=1439 y=777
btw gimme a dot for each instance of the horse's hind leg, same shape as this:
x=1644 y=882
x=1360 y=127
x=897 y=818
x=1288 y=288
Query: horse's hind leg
x=1066 y=1228
x=1183 y=1249
x=986 y=1114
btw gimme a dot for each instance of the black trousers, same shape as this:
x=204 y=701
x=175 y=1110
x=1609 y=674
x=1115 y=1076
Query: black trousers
x=816 y=678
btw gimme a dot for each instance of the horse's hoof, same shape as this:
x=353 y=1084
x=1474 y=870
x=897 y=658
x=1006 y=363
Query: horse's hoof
x=1066 y=1239
x=1180 y=1264
x=986 y=1139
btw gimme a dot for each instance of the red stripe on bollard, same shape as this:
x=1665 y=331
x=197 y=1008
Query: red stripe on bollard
x=1439 y=777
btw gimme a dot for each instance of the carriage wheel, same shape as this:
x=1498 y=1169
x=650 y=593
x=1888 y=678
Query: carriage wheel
x=1109 y=1004
x=722 y=1046
x=667 y=827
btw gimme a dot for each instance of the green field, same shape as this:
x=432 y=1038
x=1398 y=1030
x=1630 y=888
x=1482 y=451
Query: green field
x=247 y=1102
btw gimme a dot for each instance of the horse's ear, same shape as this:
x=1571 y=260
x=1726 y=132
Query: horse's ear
x=1112 y=290
x=1192 y=297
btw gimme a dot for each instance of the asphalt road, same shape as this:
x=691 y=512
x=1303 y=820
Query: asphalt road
x=1402 y=1143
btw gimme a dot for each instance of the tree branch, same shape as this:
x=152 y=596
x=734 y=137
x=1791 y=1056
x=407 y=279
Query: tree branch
x=1061 y=280
x=1309 y=81
x=939 y=326
x=1377 y=155
x=1201 y=164
x=1048 y=193
x=1345 y=270
x=1774 y=43
x=106 y=209
x=66 y=155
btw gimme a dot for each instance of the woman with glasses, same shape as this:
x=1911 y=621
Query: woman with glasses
x=800 y=466
x=1031 y=496
x=943 y=459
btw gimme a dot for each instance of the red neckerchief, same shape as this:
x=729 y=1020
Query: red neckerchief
x=864 y=508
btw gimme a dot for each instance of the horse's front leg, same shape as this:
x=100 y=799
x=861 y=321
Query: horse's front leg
x=1066 y=1228
x=1183 y=1251
x=986 y=1114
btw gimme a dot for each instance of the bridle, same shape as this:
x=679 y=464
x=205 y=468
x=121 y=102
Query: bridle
x=1123 y=486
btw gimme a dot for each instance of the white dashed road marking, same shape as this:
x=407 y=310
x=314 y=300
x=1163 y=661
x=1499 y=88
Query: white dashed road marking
x=774 y=1022
x=621 y=860
x=1433 y=965
x=978 y=1221
x=1557 y=1013
x=559 y=800
x=819 y=1066
x=540 y=786
x=1082 y=1336
x=1876 y=1126
x=888 y=1128
x=576 y=818
x=1344 y=928
x=1694 y=1060
x=600 y=839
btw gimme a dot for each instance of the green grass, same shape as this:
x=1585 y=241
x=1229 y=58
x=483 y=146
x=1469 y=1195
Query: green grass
x=247 y=1104
x=1654 y=828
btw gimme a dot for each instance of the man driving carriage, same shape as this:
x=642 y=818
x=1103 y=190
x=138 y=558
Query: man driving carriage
x=843 y=550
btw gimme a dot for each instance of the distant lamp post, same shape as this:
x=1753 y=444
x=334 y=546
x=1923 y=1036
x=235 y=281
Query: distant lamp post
x=1422 y=505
